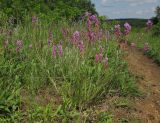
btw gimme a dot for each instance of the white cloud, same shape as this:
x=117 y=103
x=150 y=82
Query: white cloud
x=145 y=11
x=127 y=8
x=131 y=2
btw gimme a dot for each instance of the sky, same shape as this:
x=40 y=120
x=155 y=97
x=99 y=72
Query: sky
x=126 y=8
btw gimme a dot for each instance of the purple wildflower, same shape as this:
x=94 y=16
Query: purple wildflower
x=54 y=51
x=97 y=58
x=100 y=57
x=117 y=30
x=149 y=24
x=93 y=18
x=60 y=50
x=76 y=37
x=19 y=43
x=30 y=46
x=81 y=46
x=127 y=28
x=89 y=25
x=91 y=36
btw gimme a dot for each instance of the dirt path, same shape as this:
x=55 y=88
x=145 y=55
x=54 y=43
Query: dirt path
x=147 y=109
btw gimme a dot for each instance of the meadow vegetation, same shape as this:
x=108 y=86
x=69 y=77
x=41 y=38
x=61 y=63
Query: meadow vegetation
x=56 y=68
x=56 y=71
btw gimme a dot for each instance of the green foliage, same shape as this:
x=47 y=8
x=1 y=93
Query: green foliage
x=158 y=12
x=53 y=9
x=135 y=23
x=141 y=37
x=155 y=20
x=76 y=78
x=156 y=30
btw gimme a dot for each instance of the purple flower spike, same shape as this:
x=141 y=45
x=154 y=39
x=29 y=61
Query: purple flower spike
x=93 y=18
x=91 y=36
x=19 y=43
x=76 y=37
x=127 y=28
x=54 y=51
x=149 y=24
x=100 y=57
x=30 y=46
x=117 y=30
x=81 y=46
x=97 y=58
x=60 y=50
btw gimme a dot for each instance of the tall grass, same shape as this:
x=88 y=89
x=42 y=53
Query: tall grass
x=142 y=37
x=75 y=78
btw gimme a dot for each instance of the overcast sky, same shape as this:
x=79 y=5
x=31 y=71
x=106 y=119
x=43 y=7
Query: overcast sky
x=126 y=8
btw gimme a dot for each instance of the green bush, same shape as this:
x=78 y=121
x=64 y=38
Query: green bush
x=156 y=30
x=56 y=9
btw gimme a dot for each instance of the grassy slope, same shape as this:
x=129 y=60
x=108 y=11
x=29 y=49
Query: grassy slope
x=35 y=87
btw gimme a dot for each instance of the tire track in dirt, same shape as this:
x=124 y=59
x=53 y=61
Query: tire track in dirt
x=148 y=108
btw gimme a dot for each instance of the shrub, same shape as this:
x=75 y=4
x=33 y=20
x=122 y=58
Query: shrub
x=156 y=30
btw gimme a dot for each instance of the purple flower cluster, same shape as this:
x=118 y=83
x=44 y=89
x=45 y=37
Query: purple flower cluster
x=149 y=24
x=30 y=46
x=91 y=36
x=81 y=46
x=58 y=49
x=76 y=38
x=117 y=30
x=93 y=25
x=19 y=45
x=99 y=58
x=128 y=28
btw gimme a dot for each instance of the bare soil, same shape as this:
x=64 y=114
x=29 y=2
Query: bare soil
x=147 y=108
